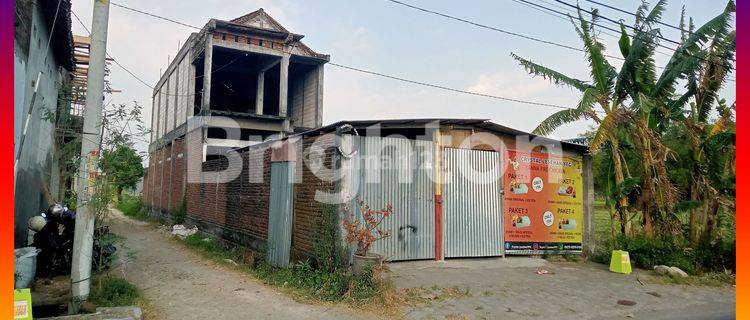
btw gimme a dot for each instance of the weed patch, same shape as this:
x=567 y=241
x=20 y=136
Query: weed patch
x=647 y=253
x=712 y=279
x=325 y=277
x=111 y=291
x=133 y=207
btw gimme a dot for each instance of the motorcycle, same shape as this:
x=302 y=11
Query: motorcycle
x=54 y=240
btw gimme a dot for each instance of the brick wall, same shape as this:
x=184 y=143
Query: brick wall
x=164 y=183
x=238 y=210
x=177 y=176
x=166 y=172
x=158 y=164
x=307 y=210
x=247 y=197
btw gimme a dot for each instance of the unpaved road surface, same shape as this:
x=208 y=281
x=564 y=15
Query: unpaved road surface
x=181 y=285
x=510 y=288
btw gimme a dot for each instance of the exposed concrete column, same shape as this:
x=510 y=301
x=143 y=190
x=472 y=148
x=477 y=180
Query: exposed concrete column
x=191 y=91
x=259 y=93
x=283 y=84
x=589 y=241
x=207 y=59
x=319 y=103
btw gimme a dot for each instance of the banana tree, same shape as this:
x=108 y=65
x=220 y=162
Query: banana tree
x=702 y=59
x=601 y=92
x=711 y=143
x=637 y=105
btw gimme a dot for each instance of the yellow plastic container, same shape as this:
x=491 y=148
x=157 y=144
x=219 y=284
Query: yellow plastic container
x=620 y=262
x=22 y=304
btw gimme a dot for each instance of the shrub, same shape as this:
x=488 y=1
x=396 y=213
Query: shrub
x=133 y=207
x=324 y=276
x=717 y=256
x=328 y=253
x=178 y=217
x=672 y=251
x=114 y=292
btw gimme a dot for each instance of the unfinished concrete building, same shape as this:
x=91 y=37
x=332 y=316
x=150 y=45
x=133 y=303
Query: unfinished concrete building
x=250 y=73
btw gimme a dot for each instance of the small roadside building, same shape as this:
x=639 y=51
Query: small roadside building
x=458 y=188
x=238 y=148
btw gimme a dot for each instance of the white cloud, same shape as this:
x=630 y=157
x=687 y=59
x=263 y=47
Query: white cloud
x=509 y=85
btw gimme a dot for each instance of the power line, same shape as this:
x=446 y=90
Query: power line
x=682 y=51
x=633 y=14
x=431 y=85
x=480 y=25
x=132 y=74
x=153 y=15
x=617 y=22
x=539 y=8
x=566 y=16
x=426 y=84
x=108 y=55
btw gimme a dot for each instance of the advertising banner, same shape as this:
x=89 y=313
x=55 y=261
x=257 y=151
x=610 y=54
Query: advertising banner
x=542 y=203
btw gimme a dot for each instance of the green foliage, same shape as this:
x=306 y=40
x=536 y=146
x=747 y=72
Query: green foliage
x=672 y=251
x=664 y=150
x=105 y=260
x=114 y=292
x=328 y=253
x=133 y=207
x=178 y=217
x=324 y=276
x=363 y=286
x=122 y=166
x=214 y=249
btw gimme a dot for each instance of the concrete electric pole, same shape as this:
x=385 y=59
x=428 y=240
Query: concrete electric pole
x=83 y=241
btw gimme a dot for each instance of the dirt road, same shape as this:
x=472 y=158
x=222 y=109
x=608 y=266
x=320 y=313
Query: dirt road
x=511 y=289
x=181 y=285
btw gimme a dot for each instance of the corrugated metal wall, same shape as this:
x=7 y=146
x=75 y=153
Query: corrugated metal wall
x=472 y=203
x=397 y=171
x=280 y=213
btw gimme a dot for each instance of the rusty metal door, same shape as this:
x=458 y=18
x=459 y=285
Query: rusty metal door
x=472 y=204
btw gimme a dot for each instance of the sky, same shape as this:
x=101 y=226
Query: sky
x=381 y=36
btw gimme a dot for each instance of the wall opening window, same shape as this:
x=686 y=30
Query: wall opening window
x=234 y=81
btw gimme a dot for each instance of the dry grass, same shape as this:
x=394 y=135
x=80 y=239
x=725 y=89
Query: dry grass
x=715 y=279
x=149 y=310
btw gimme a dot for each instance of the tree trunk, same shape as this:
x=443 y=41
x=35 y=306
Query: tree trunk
x=626 y=226
x=119 y=194
x=696 y=215
x=647 y=193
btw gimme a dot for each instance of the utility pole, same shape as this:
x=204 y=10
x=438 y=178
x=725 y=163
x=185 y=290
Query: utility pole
x=83 y=241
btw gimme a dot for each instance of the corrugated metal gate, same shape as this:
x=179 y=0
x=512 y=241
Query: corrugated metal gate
x=281 y=213
x=397 y=171
x=472 y=204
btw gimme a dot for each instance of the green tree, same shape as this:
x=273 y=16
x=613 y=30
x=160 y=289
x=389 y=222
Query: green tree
x=638 y=105
x=123 y=167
